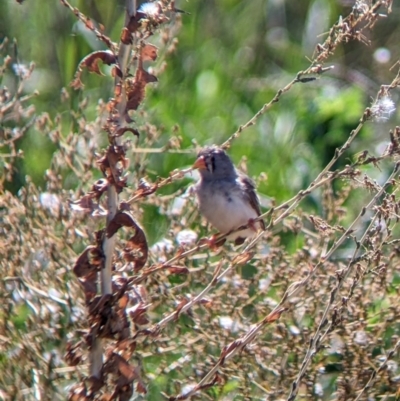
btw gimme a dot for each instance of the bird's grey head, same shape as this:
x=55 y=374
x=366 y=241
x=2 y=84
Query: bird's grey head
x=214 y=163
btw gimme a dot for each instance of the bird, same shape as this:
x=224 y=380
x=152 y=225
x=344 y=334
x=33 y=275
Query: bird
x=227 y=198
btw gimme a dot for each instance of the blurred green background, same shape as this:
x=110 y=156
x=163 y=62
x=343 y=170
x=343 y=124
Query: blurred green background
x=231 y=58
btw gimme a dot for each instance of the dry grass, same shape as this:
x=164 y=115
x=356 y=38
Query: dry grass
x=314 y=320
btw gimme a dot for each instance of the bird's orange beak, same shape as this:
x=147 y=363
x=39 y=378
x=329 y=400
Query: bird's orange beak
x=200 y=163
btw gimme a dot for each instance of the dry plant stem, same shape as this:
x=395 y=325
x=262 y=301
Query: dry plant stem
x=36 y=290
x=375 y=373
x=194 y=301
x=112 y=200
x=263 y=109
x=96 y=354
x=163 y=150
x=385 y=89
x=236 y=346
x=165 y=181
x=338 y=153
x=112 y=196
x=293 y=290
x=84 y=20
x=346 y=29
x=316 y=339
x=294 y=202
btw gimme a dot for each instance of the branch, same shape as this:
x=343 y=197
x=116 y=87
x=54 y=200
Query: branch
x=96 y=355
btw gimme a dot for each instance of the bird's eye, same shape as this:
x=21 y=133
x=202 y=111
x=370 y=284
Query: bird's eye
x=212 y=163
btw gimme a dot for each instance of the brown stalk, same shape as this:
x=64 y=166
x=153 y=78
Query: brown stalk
x=96 y=354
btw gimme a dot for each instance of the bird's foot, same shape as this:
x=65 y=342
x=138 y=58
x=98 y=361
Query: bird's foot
x=253 y=224
x=213 y=242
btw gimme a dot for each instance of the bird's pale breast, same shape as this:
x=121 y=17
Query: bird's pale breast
x=225 y=207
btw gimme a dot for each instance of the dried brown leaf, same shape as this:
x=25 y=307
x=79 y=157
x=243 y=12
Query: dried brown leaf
x=126 y=36
x=126 y=347
x=208 y=303
x=125 y=376
x=116 y=72
x=140 y=388
x=135 y=88
x=91 y=62
x=149 y=52
x=229 y=348
x=100 y=305
x=121 y=131
x=73 y=355
x=126 y=370
x=86 y=269
x=112 y=164
x=134 y=22
x=84 y=204
x=136 y=249
x=123 y=301
x=99 y=187
x=137 y=314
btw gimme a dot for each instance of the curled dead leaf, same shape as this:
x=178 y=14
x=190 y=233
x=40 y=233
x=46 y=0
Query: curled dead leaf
x=126 y=370
x=86 y=269
x=121 y=131
x=100 y=306
x=118 y=366
x=136 y=249
x=135 y=87
x=99 y=187
x=125 y=375
x=116 y=72
x=123 y=301
x=91 y=62
x=84 y=204
x=88 y=205
x=112 y=164
x=126 y=347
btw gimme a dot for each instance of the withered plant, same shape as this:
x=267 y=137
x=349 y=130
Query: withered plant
x=309 y=309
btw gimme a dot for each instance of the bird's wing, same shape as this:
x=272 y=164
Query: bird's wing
x=250 y=191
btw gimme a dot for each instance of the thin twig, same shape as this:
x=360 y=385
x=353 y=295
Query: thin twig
x=315 y=341
x=375 y=373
